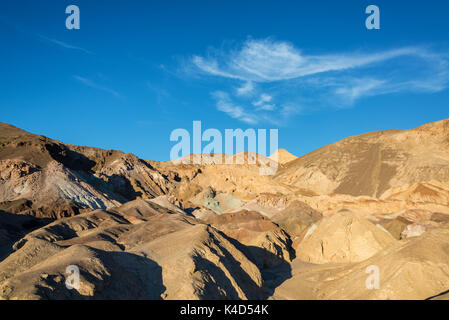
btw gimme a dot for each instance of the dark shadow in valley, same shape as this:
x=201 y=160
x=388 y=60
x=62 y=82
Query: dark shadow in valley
x=69 y=158
x=190 y=210
x=217 y=286
x=250 y=288
x=117 y=187
x=126 y=277
x=13 y=227
x=274 y=269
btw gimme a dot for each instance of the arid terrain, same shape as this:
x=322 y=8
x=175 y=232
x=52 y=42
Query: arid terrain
x=142 y=229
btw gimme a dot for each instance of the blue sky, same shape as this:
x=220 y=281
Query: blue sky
x=136 y=70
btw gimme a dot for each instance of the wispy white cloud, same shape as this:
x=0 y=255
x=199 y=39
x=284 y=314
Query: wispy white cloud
x=360 y=87
x=267 y=107
x=336 y=78
x=63 y=44
x=246 y=89
x=97 y=86
x=264 y=98
x=263 y=102
x=267 y=61
x=26 y=31
x=290 y=110
x=225 y=104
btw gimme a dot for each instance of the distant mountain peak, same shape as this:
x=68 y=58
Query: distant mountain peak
x=282 y=156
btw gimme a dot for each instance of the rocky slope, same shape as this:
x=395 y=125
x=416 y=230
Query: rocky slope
x=57 y=180
x=282 y=156
x=136 y=251
x=372 y=163
x=411 y=269
x=140 y=229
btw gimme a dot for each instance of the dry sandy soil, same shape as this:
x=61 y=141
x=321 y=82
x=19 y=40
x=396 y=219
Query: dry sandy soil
x=141 y=229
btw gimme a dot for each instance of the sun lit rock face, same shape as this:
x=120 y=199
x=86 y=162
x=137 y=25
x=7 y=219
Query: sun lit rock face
x=158 y=230
x=371 y=163
x=408 y=270
x=342 y=238
x=267 y=244
x=60 y=180
x=282 y=156
x=165 y=255
x=415 y=230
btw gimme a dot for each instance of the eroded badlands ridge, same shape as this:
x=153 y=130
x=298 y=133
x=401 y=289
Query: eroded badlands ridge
x=140 y=229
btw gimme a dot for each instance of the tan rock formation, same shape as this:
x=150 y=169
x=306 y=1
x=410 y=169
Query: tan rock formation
x=342 y=238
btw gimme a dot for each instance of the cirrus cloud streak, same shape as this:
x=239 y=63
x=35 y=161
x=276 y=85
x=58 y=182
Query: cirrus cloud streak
x=270 y=75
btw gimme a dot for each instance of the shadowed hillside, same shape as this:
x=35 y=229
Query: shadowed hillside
x=141 y=229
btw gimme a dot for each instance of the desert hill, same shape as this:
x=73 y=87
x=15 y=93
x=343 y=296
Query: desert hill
x=282 y=156
x=342 y=238
x=225 y=231
x=56 y=179
x=171 y=254
x=408 y=270
x=370 y=164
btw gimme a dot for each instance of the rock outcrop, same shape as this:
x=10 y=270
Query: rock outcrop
x=137 y=251
x=342 y=238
